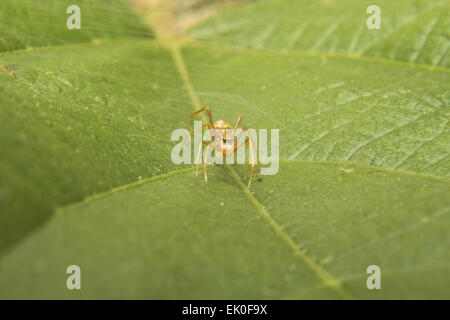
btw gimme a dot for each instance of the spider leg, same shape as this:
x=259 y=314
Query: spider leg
x=240 y=135
x=246 y=173
x=236 y=148
x=204 y=163
x=203 y=109
x=198 y=156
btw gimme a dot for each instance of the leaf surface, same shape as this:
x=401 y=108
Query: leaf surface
x=87 y=178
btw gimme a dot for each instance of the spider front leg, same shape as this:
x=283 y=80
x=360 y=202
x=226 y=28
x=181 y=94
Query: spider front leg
x=193 y=131
x=249 y=165
x=198 y=156
x=251 y=145
x=205 y=162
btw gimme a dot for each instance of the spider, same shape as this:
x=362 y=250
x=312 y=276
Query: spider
x=226 y=143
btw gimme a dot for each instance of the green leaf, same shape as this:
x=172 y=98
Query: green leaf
x=332 y=108
x=36 y=23
x=87 y=179
x=414 y=31
x=90 y=124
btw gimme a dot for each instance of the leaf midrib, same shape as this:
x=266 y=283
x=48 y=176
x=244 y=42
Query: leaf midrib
x=95 y=42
